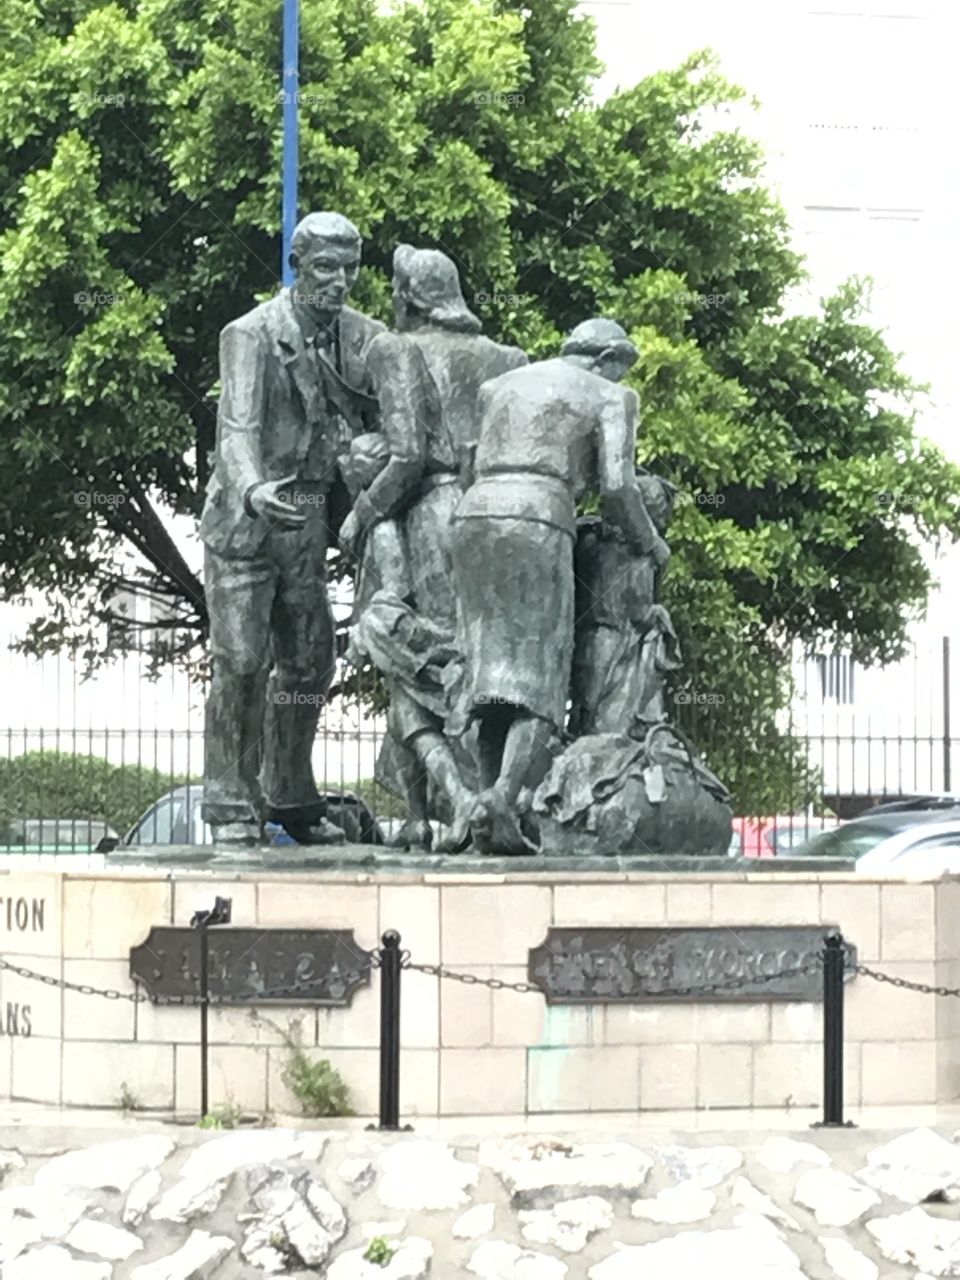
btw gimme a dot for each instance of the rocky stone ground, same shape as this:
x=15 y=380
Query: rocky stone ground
x=185 y=1205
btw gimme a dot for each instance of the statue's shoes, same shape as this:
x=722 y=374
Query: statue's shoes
x=416 y=833
x=246 y=835
x=320 y=831
x=459 y=833
x=495 y=829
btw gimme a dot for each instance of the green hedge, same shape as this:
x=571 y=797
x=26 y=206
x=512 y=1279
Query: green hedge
x=60 y=784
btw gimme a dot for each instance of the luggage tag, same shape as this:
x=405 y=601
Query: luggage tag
x=656 y=784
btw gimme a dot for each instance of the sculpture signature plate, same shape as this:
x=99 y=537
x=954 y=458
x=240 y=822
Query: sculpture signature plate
x=634 y=966
x=326 y=965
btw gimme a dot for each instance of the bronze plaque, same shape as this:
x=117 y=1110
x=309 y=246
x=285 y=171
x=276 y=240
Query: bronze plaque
x=254 y=966
x=633 y=966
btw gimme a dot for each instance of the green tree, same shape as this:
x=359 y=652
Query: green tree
x=140 y=165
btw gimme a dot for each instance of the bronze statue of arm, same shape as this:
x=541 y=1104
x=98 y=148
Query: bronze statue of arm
x=241 y=410
x=468 y=450
x=620 y=499
x=396 y=364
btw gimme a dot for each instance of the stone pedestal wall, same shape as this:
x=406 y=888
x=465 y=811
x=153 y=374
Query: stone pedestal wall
x=468 y=1050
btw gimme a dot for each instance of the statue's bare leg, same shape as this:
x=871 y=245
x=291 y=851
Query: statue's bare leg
x=416 y=832
x=527 y=749
x=438 y=759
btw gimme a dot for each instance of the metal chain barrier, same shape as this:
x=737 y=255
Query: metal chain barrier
x=472 y=979
x=191 y=1000
x=905 y=984
x=372 y=962
x=924 y=988
x=835 y=961
x=498 y=984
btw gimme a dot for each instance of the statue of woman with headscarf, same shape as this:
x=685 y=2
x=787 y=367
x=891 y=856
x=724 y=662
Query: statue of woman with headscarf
x=427 y=377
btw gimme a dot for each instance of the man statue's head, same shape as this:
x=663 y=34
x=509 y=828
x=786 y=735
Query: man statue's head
x=325 y=254
x=426 y=290
x=602 y=347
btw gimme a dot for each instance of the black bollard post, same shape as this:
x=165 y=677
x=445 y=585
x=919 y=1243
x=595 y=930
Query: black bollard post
x=204 y=1014
x=833 y=965
x=202 y=921
x=390 y=969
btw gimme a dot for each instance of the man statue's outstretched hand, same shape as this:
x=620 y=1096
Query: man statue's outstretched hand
x=268 y=500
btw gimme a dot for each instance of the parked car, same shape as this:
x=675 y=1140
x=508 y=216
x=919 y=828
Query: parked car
x=768 y=837
x=908 y=841
x=177 y=819
x=915 y=804
x=56 y=835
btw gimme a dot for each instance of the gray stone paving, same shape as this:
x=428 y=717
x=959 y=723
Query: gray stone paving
x=187 y=1205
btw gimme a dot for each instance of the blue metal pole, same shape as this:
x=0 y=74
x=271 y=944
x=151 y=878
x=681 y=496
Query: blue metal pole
x=291 y=130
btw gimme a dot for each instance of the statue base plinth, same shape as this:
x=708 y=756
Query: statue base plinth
x=374 y=859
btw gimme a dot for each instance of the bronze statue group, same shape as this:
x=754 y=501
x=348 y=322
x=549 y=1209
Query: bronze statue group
x=524 y=649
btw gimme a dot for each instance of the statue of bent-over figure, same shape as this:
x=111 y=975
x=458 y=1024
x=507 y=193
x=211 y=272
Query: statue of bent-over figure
x=549 y=434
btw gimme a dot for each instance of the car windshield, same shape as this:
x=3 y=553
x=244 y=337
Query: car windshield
x=852 y=840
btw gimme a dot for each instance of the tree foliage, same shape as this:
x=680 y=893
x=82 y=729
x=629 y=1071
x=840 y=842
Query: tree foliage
x=140 y=165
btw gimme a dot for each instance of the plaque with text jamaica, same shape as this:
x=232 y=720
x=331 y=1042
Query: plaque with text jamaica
x=633 y=966
x=253 y=966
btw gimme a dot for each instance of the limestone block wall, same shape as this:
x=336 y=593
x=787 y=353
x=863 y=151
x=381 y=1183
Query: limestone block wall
x=468 y=1050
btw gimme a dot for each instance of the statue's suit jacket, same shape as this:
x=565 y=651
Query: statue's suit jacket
x=283 y=411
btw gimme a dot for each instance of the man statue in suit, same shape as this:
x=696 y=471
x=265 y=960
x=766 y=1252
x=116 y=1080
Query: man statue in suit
x=294 y=392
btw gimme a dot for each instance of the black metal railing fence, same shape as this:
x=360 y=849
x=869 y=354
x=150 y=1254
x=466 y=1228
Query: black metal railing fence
x=80 y=756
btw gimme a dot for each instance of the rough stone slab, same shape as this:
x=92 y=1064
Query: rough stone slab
x=746 y=1196
x=686 y=1202
x=476 y=1222
x=358 y=1173
x=569 y=1224
x=538 y=1173
x=847 y=1262
x=912 y=1165
x=737 y=1254
x=419 y=1175
x=208 y=1170
x=104 y=1241
x=31 y=1214
x=497 y=1260
x=782 y=1155
x=706 y=1166
x=189 y=1199
x=220 y=1157
x=54 y=1263
x=199 y=1257
x=141 y=1193
x=106 y=1165
x=410 y=1262
x=757 y=1222
x=836 y=1199
x=917 y=1240
x=16 y=1235
x=290 y=1207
